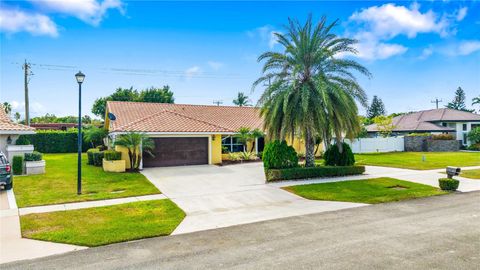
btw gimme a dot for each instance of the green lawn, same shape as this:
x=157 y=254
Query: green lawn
x=59 y=184
x=378 y=190
x=473 y=174
x=413 y=160
x=104 y=225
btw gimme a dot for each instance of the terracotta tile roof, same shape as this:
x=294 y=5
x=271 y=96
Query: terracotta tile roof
x=162 y=117
x=6 y=124
x=423 y=121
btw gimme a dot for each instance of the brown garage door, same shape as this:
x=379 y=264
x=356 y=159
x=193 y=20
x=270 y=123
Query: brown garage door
x=178 y=152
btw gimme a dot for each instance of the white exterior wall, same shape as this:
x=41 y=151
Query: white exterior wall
x=372 y=145
x=460 y=132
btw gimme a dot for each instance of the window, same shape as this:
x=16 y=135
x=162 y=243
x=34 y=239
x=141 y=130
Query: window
x=232 y=144
x=464 y=138
x=444 y=124
x=464 y=127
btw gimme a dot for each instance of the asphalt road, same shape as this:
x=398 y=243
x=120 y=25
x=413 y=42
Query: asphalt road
x=433 y=233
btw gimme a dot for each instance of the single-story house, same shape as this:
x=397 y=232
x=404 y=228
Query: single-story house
x=9 y=132
x=436 y=121
x=186 y=134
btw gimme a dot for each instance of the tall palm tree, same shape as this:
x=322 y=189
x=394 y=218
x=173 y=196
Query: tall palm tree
x=476 y=100
x=7 y=107
x=241 y=100
x=243 y=136
x=254 y=135
x=133 y=141
x=312 y=91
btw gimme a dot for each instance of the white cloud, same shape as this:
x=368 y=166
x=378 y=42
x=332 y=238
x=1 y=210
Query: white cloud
x=426 y=52
x=461 y=14
x=266 y=34
x=36 y=108
x=467 y=47
x=192 y=71
x=215 y=65
x=89 y=11
x=13 y=21
x=372 y=48
x=390 y=20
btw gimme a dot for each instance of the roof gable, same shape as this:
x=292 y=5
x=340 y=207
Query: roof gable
x=7 y=125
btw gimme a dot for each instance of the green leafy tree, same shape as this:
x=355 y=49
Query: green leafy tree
x=132 y=141
x=476 y=100
x=243 y=136
x=377 y=108
x=385 y=125
x=159 y=95
x=458 y=102
x=311 y=89
x=17 y=117
x=474 y=135
x=255 y=134
x=7 y=107
x=95 y=135
x=242 y=100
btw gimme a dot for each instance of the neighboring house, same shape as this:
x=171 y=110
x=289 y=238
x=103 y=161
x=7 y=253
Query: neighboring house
x=185 y=134
x=54 y=126
x=436 y=121
x=9 y=131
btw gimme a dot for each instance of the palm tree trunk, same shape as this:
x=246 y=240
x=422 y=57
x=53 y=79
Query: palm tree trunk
x=309 y=149
x=338 y=139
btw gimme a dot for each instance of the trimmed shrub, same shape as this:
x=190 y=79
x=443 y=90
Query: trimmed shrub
x=279 y=155
x=333 y=157
x=474 y=135
x=98 y=158
x=419 y=134
x=35 y=156
x=448 y=184
x=312 y=172
x=112 y=155
x=22 y=140
x=474 y=147
x=54 y=141
x=443 y=137
x=90 y=155
x=17 y=165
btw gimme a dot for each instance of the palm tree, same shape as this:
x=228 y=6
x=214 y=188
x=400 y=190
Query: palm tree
x=255 y=134
x=17 y=116
x=7 y=107
x=241 y=100
x=243 y=136
x=133 y=141
x=312 y=90
x=476 y=100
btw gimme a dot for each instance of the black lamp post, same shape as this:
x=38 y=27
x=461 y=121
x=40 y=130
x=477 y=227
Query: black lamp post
x=80 y=77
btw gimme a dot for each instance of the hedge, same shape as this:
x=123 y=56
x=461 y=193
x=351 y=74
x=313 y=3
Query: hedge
x=35 y=156
x=17 y=165
x=448 y=184
x=98 y=158
x=53 y=141
x=90 y=155
x=312 y=172
x=279 y=155
x=112 y=155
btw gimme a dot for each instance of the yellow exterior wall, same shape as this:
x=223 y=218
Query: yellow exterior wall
x=114 y=165
x=124 y=155
x=299 y=145
x=216 y=149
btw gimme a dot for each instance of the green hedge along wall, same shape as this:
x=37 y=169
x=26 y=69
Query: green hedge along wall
x=53 y=141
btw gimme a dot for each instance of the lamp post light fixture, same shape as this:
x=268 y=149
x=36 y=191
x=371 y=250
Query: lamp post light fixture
x=80 y=77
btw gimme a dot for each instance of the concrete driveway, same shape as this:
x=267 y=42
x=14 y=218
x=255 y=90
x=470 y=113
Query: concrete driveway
x=215 y=196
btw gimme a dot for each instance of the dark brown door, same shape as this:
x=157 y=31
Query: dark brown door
x=178 y=151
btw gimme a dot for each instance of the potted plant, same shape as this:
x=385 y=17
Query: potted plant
x=34 y=163
x=112 y=161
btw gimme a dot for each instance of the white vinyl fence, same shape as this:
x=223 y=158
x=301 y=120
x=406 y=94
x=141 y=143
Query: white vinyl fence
x=371 y=145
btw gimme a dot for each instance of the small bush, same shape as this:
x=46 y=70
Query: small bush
x=279 y=155
x=17 y=165
x=474 y=135
x=90 y=155
x=22 y=140
x=448 y=184
x=419 y=134
x=97 y=158
x=474 y=147
x=443 y=137
x=35 y=156
x=112 y=155
x=312 y=172
x=333 y=157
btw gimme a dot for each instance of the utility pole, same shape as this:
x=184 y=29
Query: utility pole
x=217 y=102
x=27 y=72
x=436 y=101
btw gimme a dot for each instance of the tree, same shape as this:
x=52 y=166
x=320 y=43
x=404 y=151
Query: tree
x=133 y=141
x=243 y=136
x=7 y=107
x=95 y=136
x=255 y=134
x=17 y=117
x=385 y=125
x=376 y=108
x=458 y=102
x=312 y=90
x=241 y=100
x=152 y=94
x=476 y=100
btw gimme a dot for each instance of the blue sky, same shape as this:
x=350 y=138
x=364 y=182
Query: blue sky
x=207 y=51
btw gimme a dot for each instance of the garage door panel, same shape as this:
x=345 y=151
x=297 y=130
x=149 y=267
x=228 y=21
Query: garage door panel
x=178 y=151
